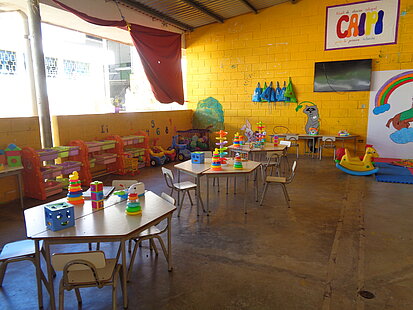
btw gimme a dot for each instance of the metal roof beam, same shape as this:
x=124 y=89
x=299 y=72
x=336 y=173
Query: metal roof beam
x=248 y=4
x=204 y=10
x=155 y=13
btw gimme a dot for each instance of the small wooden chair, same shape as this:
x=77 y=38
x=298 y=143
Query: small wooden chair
x=181 y=187
x=281 y=181
x=294 y=141
x=86 y=269
x=19 y=251
x=150 y=234
x=329 y=142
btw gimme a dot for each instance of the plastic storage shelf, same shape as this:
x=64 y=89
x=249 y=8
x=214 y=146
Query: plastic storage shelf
x=47 y=154
x=107 y=144
x=66 y=151
x=94 y=146
x=69 y=166
x=104 y=159
x=52 y=187
x=51 y=171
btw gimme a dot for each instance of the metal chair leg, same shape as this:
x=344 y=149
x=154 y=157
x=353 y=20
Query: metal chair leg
x=181 y=203
x=153 y=245
x=287 y=198
x=3 y=267
x=78 y=297
x=132 y=259
x=190 y=198
x=61 y=295
x=263 y=193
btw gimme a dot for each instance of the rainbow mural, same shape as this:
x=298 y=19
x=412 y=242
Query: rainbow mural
x=388 y=88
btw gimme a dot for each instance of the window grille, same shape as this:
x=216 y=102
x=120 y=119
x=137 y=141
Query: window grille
x=7 y=62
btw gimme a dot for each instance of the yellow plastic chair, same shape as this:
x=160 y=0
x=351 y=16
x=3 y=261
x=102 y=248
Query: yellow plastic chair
x=86 y=269
x=283 y=181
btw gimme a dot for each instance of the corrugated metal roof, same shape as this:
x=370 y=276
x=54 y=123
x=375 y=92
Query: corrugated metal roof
x=190 y=14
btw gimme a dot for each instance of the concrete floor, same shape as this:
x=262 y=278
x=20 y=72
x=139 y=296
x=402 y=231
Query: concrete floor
x=343 y=234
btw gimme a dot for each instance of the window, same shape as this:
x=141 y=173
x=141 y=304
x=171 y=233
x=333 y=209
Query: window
x=84 y=74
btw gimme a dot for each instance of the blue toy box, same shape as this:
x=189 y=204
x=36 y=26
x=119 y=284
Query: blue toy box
x=197 y=157
x=59 y=216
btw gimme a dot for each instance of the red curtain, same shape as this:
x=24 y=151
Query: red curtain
x=160 y=53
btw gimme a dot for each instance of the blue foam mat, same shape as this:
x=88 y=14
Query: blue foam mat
x=393 y=174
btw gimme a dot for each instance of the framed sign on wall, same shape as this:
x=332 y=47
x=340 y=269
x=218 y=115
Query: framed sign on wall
x=361 y=24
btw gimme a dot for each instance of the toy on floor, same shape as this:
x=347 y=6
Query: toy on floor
x=238 y=162
x=75 y=194
x=355 y=166
x=133 y=206
x=181 y=148
x=157 y=158
x=221 y=146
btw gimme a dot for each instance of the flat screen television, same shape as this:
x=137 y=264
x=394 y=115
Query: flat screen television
x=339 y=76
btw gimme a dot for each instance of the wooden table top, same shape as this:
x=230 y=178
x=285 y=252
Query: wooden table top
x=247 y=167
x=111 y=221
x=188 y=166
x=268 y=147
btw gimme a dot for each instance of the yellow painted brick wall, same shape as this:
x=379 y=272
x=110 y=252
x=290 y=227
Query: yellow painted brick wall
x=22 y=132
x=226 y=61
x=26 y=132
x=162 y=125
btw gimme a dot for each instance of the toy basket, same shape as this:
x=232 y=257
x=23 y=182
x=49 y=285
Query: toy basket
x=52 y=187
x=107 y=144
x=94 y=146
x=129 y=140
x=92 y=162
x=51 y=171
x=131 y=165
x=69 y=166
x=47 y=154
x=66 y=151
x=104 y=159
x=135 y=151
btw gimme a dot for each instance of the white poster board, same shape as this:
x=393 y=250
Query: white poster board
x=391 y=104
x=362 y=24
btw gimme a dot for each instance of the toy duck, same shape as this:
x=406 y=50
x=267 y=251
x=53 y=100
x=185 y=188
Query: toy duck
x=356 y=166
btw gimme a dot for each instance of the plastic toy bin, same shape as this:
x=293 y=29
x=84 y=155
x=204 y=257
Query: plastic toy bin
x=92 y=162
x=51 y=171
x=104 y=159
x=47 y=154
x=108 y=144
x=94 y=146
x=128 y=140
x=66 y=151
x=70 y=166
x=52 y=187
